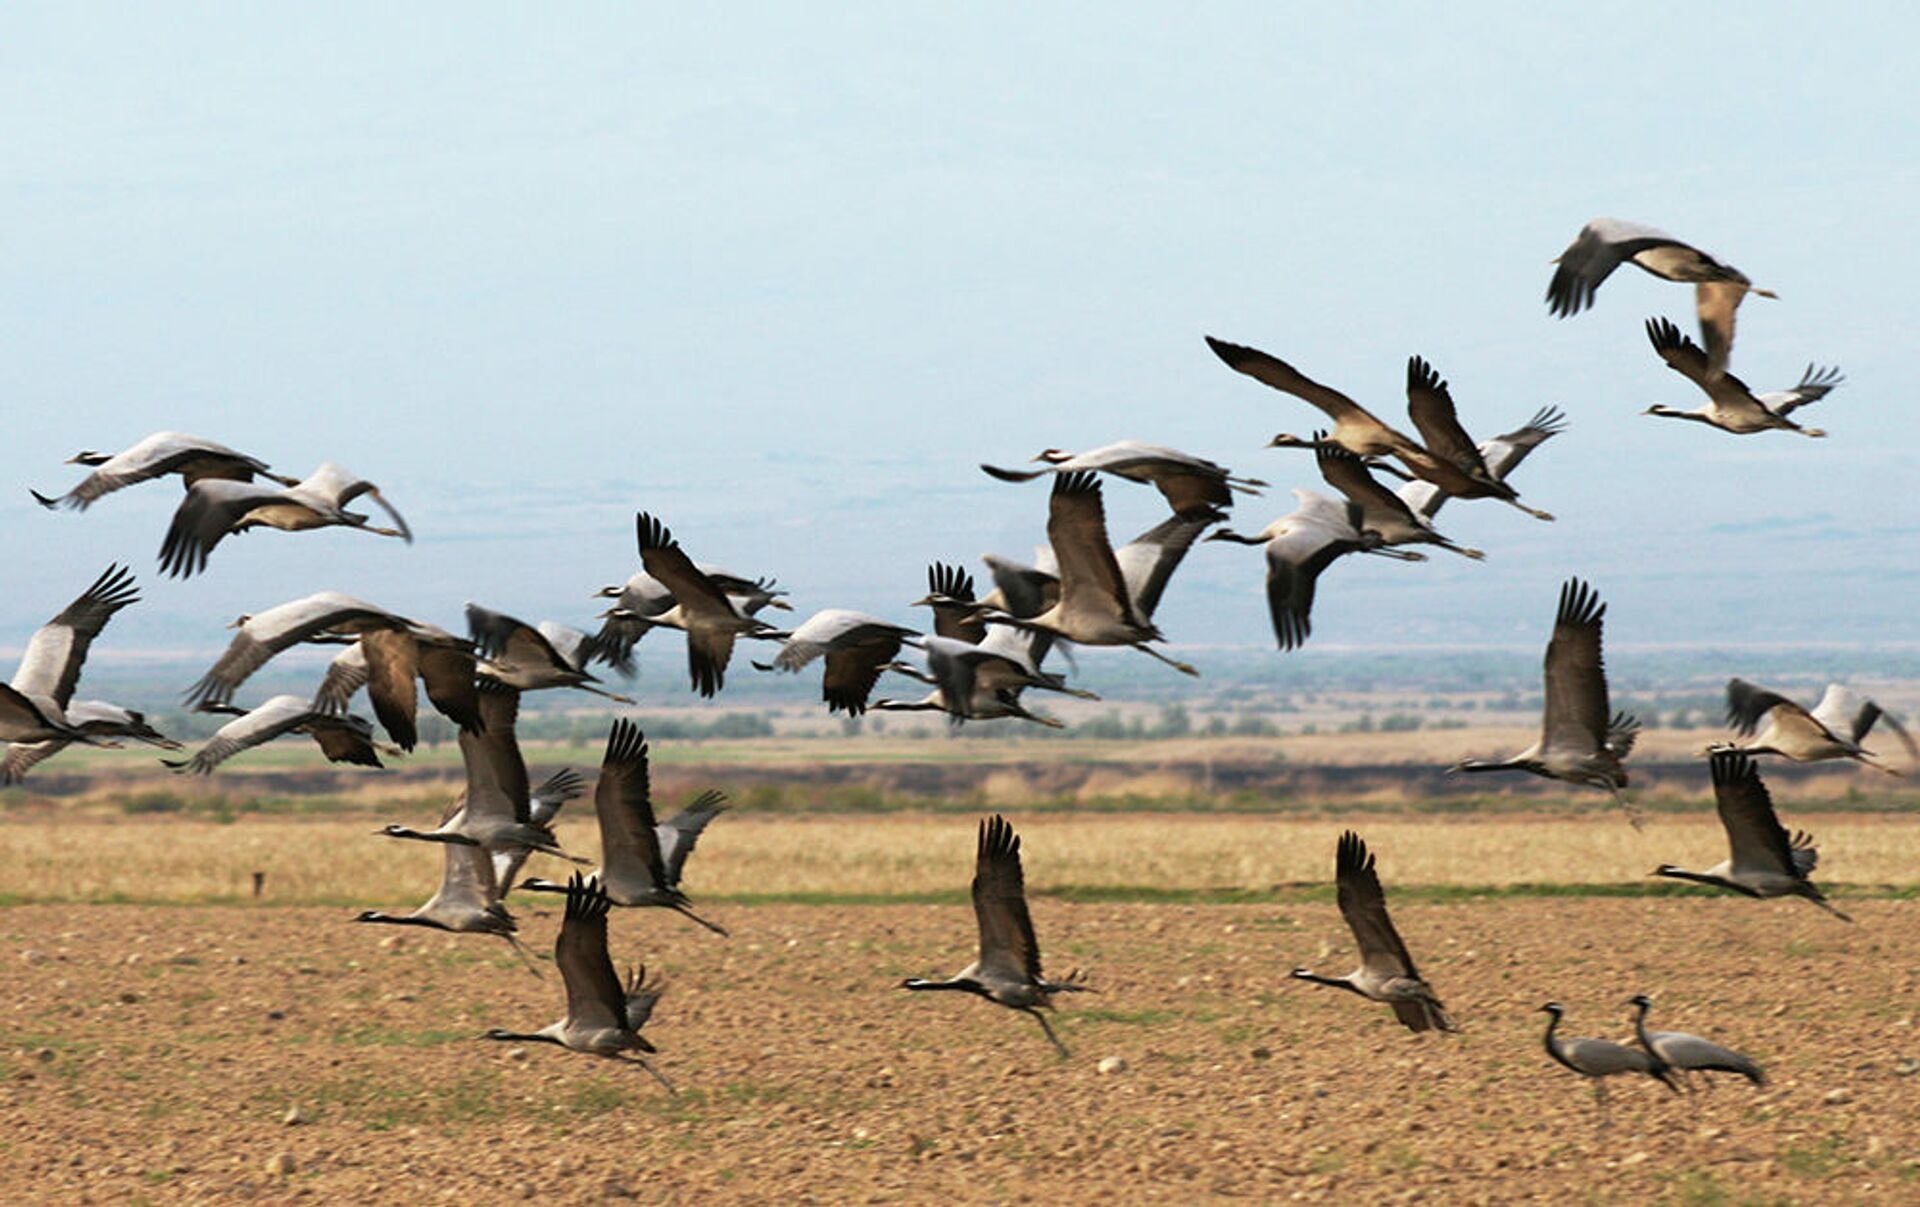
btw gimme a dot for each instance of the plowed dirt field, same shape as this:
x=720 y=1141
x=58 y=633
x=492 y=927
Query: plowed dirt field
x=274 y=1053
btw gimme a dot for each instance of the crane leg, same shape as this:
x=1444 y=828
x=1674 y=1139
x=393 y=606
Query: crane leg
x=1048 y=1028
x=1182 y=667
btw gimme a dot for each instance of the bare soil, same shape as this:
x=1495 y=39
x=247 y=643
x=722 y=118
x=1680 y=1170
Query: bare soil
x=158 y=1053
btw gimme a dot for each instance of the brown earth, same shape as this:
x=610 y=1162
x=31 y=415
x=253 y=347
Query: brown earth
x=155 y=1054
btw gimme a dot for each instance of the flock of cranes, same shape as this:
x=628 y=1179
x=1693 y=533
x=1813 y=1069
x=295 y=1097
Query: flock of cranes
x=982 y=656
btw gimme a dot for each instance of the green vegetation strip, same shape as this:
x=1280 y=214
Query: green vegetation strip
x=1117 y=894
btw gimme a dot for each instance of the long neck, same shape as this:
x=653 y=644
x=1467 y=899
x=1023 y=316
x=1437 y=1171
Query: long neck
x=715 y=927
x=960 y=986
x=524 y=1037
x=1668 y=412
x=1488 y=765
x=1552 y=1043
x=400 y=920
x=1674 y=873
x=1640 y=1025
x=1336 y=981
x=1228 y=534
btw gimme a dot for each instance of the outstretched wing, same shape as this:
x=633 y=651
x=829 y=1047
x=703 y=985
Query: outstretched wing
x=1271 y=370
x=1077 y=530
x=58 y=650
x=1576 y=717
x=1754 y=833
x=595 y=998
x=1430 y=406
x=1007 y=946
x=679 y=834
x=1364 y=905
x=623 y=802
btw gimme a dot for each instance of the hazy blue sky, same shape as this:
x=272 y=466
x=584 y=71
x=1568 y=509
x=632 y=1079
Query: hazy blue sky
x=784 y=275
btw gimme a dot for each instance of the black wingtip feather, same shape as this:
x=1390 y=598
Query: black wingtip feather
x=626 y=744
x=1579 y=604
x=1079 y=482
x=1423 y=376
x=1732 y=767
x=652 y=533
x=586 y=899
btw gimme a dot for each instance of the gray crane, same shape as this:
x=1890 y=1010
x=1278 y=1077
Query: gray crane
x=215 y=507
x=1193 y=486
x=956 y=613
x=37 y=709
x=1381 y=510
x=325 y=617
x=1501 y=455
x=1581 y=740
x=1450 y=459
x=532 y=657
x=981 y=681
x=1833 y=729
x=642 y=599
x=641 y=861
x=1599 y=1059
x=702 y=609
x=1689 y=1053
x=1299 y=547
x=1107 y=597
x=1732 y=406
x=496 y=810
x=1764 y=862
x=1606 y=243
x=387 y=661
x=342 y=737
x=1008 y=969
x=856 y=646
x=156 y=456
x=1386 y=973
x=468 y=900
x=604 y=1018
x=96 y=717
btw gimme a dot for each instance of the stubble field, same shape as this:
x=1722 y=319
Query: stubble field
x=157 y=1051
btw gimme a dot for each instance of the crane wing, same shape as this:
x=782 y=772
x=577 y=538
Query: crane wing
x=623 y=802
x=1148 y=561
x=1430 y=406
x=497 y=785
x=595 y=999
x=1272 y=371
x=57 y=651
x=1754 y=833
x=1364 y=905
x=679 y=834
x=1007 y=946
x=1576 y=717
x=1077 y=530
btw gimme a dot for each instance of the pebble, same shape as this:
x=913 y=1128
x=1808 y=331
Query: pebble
x=1634 y=1159
x=1907 y=1067
x=280 y=1165
x=1836 y=1097
x=31 y=956
x=1261 y=1053
x=1110 y=1065
x=294 y=1117
x=516 y=1053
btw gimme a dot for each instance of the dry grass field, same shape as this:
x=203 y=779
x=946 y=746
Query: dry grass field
x=748 y=858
